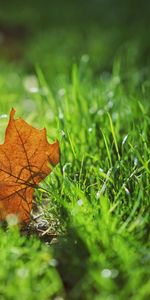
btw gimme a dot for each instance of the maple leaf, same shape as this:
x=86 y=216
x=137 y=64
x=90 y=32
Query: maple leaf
x=26 y=158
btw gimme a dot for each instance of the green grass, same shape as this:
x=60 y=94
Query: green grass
x=27 y=268
x=99 y=194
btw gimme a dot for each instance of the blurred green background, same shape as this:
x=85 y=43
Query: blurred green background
x=56 y=34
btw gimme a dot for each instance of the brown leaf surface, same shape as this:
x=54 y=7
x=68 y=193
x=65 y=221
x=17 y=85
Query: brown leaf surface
x=26 y=158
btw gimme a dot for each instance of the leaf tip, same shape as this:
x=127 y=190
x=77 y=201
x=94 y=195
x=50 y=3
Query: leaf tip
x=12 y=113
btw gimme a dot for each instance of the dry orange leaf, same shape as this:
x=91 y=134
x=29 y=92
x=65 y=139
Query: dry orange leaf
x=26 y=158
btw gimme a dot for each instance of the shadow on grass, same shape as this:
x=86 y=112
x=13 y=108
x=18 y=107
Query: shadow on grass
x=72 y=256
